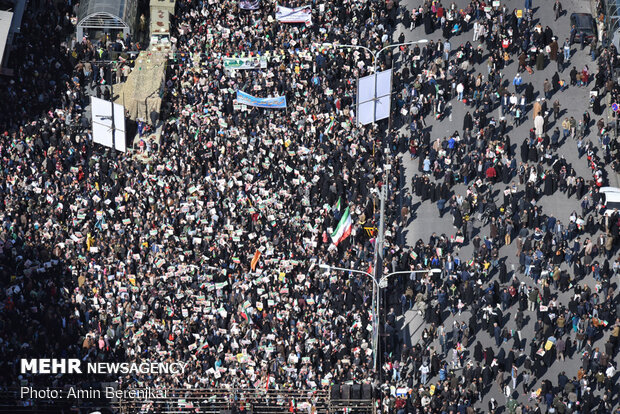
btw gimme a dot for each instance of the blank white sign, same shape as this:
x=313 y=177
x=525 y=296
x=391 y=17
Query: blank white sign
x=103 y=133
x=373 y=107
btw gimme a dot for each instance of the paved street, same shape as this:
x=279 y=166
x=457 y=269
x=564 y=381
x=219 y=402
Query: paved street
x=574 y=101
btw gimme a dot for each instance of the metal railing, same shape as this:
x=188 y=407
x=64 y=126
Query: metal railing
x=226 y=400
x=185 y=401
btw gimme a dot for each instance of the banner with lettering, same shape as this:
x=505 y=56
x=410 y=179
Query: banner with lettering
x=278 y=102
x=249 y=4
x=245 y=63
x=297 y=15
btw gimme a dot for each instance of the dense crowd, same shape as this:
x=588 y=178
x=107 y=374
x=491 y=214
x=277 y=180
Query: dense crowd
x=107 y=258
x=555 y=255
x=210 y=253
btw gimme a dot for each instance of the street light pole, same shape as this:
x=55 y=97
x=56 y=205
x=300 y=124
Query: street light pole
x=375 y=56
x=379 y=238
x=374 y=307
x=379 y=252
x=376 y=287
x=422 y=41
x=111 y=86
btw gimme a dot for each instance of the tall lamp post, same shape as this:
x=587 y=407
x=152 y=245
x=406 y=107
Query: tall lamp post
x=377 y=285
x=378 y=259
x=375 y=56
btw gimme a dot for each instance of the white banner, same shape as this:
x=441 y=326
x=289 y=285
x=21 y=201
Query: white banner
x=297 y=15
x=249 y=4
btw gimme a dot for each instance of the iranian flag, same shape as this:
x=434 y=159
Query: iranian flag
x=336 y=206
x=330 y=126
x=344 y=228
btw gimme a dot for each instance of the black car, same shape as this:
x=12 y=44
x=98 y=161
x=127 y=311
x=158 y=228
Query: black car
x=584 y=23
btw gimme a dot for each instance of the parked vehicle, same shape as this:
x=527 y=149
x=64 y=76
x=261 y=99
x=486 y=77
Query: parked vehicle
x=584 y=23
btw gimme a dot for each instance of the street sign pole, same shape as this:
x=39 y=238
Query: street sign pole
x=615 y=107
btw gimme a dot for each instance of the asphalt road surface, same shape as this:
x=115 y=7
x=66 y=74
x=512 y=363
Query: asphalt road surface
x=574 y=101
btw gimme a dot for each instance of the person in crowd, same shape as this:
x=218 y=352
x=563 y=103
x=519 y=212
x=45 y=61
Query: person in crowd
x=212 y=252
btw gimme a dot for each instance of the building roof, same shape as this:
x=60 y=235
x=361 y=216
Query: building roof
x=113 y=14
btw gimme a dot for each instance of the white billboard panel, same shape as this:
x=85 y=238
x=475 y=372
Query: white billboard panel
x=103 y=133
x=119 y=127
x=384 y=83
x=366 y=89
x=365 y=112
x=101 y=115
x=5 y=24
x=371 y=106
x=382 y=109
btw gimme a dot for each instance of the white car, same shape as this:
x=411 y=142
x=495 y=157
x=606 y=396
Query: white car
x=611 y=199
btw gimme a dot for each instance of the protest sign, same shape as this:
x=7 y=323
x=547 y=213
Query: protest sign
x=297 y=15
x=249 y=4
x=246 y=99
x=248 y=63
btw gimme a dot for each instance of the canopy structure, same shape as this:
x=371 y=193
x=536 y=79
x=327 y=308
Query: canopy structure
x=107 y=15
x=142 y=92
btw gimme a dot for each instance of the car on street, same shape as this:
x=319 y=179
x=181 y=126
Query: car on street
x=611 y=199
x=584 y=23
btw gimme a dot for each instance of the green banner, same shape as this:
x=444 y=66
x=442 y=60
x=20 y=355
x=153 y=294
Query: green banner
x=245 y=63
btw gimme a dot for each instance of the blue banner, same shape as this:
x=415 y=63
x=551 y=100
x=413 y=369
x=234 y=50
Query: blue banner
x=270 y=103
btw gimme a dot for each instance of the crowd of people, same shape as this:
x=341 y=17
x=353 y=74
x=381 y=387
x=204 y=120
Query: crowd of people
x=210 y=253
x=462 y=173
x=109 y=259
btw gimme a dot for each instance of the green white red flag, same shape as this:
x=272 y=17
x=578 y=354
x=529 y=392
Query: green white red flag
x=344 y=228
